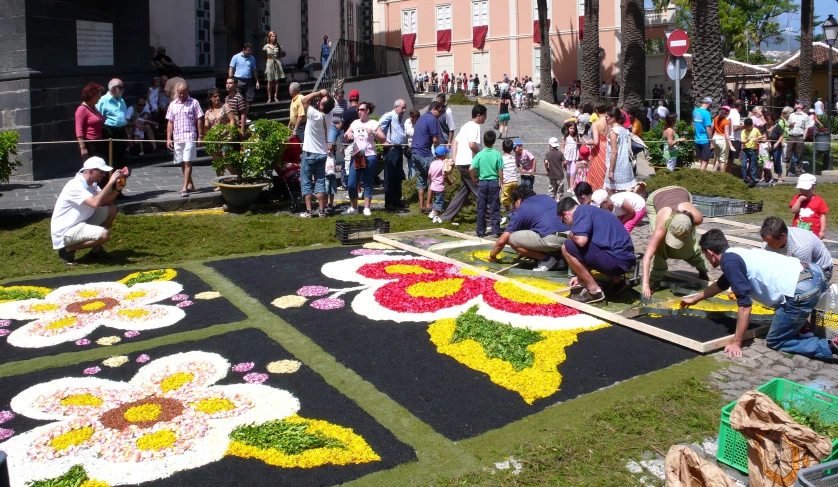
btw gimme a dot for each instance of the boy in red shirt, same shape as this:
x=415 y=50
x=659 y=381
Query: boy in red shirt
x=809 y=209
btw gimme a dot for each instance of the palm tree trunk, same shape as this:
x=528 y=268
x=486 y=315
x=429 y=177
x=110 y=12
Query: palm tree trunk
x=590 y=54
x=545 y=91
x=804 y=77
x=633 y=55
x=708 y=61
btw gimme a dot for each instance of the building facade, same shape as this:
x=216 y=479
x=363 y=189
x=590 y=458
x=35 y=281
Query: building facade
x=509 y=26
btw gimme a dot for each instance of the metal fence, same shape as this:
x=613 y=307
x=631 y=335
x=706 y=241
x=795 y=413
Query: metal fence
x=350 y=59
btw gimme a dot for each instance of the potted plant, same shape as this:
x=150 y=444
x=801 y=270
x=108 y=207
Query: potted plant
x=8 y=149
x=252 y=162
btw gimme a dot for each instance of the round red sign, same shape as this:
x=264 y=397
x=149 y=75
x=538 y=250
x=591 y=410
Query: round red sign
x=678 y=43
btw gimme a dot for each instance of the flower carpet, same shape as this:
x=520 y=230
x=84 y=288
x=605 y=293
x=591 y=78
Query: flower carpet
x=79 y=312
x=463 y=353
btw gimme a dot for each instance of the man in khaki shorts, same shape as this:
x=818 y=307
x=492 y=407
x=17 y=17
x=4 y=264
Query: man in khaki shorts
x=84 y=213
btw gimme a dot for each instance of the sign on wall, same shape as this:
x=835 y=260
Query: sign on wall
x=94 y=43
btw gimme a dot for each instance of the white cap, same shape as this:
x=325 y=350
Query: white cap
x=598 y=197
x=554 y=142
x=806 y=181
x=96 y=163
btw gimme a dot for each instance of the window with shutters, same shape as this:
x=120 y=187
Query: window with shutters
x=536 y=65
x=409 y=21
x=443 y=17
x=479 y=13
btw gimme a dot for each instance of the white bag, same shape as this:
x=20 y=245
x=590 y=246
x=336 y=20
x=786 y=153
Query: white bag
x=330 y=166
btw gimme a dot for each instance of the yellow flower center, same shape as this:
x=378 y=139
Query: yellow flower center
x=71 y=438
x=435 y=289
x=62 y=323
x=44 y=307
x=133 y=313
x=484 y=255
x=214 y=405
x=469 y=272
x=176 y=381
x=544 y=284
x=87 y=294
x=143 y=413
x=136 y=295
x=94 y=483
x=406 y=269
x=510 y=291
x=157 y=441
x=81 y=400
x=93 y=306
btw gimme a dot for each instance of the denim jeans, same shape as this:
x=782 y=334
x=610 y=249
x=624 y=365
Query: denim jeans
x=793 y=314
x=488 y=199
x=301 y=132
x=777 y=154
x=527 y=181
x=313 y=173
x=421 y=164
x=366 y=176
x=749 y=165
x=393 y=173
x=439 y=201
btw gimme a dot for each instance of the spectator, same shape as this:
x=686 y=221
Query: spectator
x=83 y=214
x=152 y=59
x=670 y=147
x=315 y=150
x=750 y=136
x=620 y=175
x=721 y=138
x=169 y=68
x=510 y=179
x=143 y=126
x=735 y=117
x=219 y=113
x=446 y=123
x=335 y=134
x=570 y=153
x=703 y=123
x=486 y=90
x=363 y=131
x=325 y=50
x=184 y=132
x=526 y=164
x=530 y=89
x=164 y=99
x=304 y=66
x=790 y=287
x=438 y=180
x=243 y=67
x=113 y=108
x=555 y=87
x=236 y=103
x=273 y=66
x=391 y=129
x=349 y=116
x=636 y=124
x=597 y=241
x=170 y=87
x=409 y=124
x=297 y=120
x=425 y=138
x=466 y=145
x=139 y=129
x=796 y=242
x=503 y=112
x=153 y=98
x=90 y=122
x=660 y=113
x=808 y=208
x=775 y=137
x=628 y=206
x=798 y=123
x=583 y=119
x=554 y=163
x=486 y=170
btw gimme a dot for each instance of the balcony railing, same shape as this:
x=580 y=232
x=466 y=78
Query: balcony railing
x=656 y=18
x=350 y=59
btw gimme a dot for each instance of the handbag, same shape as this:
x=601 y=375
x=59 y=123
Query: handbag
x=497 y=123
x=359 y=160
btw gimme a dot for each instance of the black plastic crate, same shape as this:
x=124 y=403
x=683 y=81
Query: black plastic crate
x=360 y=231
x=753 y=207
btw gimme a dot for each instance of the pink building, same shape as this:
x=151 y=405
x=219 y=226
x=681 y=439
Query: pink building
x=446 y=35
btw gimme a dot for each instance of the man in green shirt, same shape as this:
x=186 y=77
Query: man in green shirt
x=486 y=170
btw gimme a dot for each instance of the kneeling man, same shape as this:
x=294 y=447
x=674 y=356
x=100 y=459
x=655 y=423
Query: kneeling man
x=535 y=231
x=598 y=241
x=784 y=283
x=83 y=214
x=796 y=242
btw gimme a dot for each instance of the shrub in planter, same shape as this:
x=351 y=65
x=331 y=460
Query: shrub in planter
x=8 y=149
x=686 y=155
x=253 y=161
x=704 y=183
x=218 y=140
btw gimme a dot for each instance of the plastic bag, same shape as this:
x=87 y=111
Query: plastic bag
x=330 y=166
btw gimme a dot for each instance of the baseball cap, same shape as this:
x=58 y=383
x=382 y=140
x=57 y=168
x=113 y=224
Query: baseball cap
x=441 y=150
x=354 y=95
x=811 y=110
x=517 y=143
x=96 y=163
x=680 y=229
x=707 y=99
x=800 y=102
x=725 y=107
x=554 y=142
x=806 y=181
x=599 y=196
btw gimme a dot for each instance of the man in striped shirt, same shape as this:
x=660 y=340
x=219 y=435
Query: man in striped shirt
x=796 y=242
x=183 y=133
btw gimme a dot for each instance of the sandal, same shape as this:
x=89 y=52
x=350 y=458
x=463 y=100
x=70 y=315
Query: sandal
x=184 y=193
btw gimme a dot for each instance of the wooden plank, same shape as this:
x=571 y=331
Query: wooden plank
x=725 y=341
x=686 y=277
x=732 y=223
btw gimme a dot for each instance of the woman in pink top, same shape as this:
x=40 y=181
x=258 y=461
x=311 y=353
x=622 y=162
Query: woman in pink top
x=89 y=123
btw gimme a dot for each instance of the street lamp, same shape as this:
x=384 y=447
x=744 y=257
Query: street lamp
x=830 y=32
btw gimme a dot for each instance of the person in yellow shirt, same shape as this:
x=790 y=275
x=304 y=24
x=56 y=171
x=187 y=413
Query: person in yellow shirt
x=297 y=122
x=750 y=136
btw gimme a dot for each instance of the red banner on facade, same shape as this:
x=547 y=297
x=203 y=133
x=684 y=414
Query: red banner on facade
x=581 y=26
x=536 y=32
x=479 y=36
x=408 y=42
x=443 y=40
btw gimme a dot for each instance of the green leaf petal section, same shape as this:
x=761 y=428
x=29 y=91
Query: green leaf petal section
x=498 y=340
x=20 y=294
x=73 y=478
x=281 y=435
x=146 y=277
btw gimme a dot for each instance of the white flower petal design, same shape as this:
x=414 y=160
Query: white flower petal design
x=195 y=438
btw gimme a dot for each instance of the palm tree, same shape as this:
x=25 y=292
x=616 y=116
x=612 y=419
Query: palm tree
x=591 y=62
x=708 y=60
x=633 y=72
x=545 y=91
x=804 y=77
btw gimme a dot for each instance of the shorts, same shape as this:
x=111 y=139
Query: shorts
x=533 y=241
x=598 y=259
x=89 y=230
x=247 y=88
x=703 y=152
x=421 y=164
x=764 y=161
x=503 y=117
x=185 y=152
x=506 y=193
x=313 y=173
x=331 y=184
x=140 y=134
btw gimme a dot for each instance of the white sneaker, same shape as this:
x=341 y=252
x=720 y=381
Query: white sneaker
x=546 y=264
x=349 y=211
x=431 y=216
x=306 y=214
x=367 y=212
x=437 y=219
x=503 y=221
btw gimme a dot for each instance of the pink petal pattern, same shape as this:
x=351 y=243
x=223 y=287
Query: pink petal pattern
x=143 y=359
x=4 y=332
x=309 y=291
x=4 y=433
x=83 y=342
x=6 y=416
x=131 y=333
x=5 y=323
x=367 y=252
x=328 y=303
x=255 y=378
x=184 y=304
x=180 y=297
x=243 y=367
x=92 y=370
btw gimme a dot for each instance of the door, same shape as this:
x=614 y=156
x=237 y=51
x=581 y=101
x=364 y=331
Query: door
x=445 y=62
x=480 y=65
x=234 y=20
x=414 y=66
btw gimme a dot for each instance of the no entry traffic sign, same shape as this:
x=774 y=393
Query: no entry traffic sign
x=678 y=43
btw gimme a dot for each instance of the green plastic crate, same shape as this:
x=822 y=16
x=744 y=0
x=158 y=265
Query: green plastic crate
x=733 y=447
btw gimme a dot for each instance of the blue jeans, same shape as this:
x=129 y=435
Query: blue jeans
x=393 y=173
x=335 y=137
x=793 y=314
x=777 y=154
x=488 y=198
x=313 y=166
x=749 y=165
x=301 y=132
x=366 y=175
x=439 y=201
x=421 y=164
x=527 y=181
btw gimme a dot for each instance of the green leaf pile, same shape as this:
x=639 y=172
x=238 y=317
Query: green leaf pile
x=812 y=421
x=289 y=438
x=73 y=478
x=20 y=294
x=498 y=340
x=145 y=277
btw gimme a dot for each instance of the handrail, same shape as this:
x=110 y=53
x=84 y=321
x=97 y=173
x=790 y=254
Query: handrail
x=350 y=59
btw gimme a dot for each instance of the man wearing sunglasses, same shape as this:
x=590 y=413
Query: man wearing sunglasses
x=113 y=108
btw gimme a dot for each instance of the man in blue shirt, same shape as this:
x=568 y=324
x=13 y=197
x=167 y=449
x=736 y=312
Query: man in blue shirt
x=784 y=283
x=113 y=108
x=535 y=230
x=703 y=122
x=598 y=241
x=243 y=68
x=425 y=137
x=391 y=129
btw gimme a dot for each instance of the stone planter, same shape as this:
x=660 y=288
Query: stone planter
x=238 y=195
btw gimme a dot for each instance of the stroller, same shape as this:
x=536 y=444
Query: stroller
x=287 y=184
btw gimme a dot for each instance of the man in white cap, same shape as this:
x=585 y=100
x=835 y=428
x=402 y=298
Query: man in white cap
x=84 y=213
x=672 y=221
